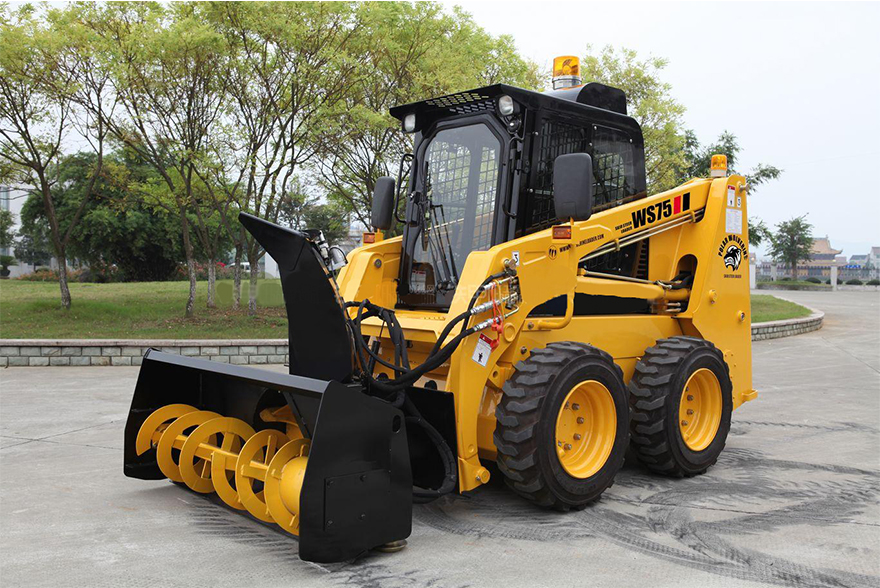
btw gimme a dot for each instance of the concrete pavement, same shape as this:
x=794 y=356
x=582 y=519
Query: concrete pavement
x=792 y=501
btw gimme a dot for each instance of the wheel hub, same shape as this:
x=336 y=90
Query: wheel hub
x=585 y=429
x=699 y=412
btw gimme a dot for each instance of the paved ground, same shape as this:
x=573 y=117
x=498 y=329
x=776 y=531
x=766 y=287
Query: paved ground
x=792 y=501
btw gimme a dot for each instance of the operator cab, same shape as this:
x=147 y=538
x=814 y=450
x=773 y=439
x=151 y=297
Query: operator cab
x=481 y=173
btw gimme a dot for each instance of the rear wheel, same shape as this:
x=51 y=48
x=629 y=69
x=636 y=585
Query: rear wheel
x=562 y=425
x=681 y=402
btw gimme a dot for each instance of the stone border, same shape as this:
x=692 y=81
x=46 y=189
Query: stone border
x=128 y=352
x=83 y=352
x=788 y=327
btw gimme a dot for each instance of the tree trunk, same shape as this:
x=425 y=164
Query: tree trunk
x=190 y=264
x=236 y=279
x=252 y=293
x=62 y=280
x=212 y=281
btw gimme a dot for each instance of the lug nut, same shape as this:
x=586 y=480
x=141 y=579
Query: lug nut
x=690 y=397
x=580 y=420
x=690 y=411
x=577 y=436
x=567 y=446
x=575 y=406
x=684 y=423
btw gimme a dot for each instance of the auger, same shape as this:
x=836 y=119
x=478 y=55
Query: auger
x=539 y=314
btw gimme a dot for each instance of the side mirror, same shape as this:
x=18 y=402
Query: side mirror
x=573 y=186
x=383 y=204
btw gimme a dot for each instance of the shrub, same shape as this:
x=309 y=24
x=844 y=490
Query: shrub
x=813 y=280
x=42 y=274
x=786 y=279
x=222 y=272
x=874 y=282
x=854 y=282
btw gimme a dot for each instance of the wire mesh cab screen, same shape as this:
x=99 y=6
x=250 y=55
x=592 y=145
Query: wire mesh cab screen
x=461 y=184
x=613 y=169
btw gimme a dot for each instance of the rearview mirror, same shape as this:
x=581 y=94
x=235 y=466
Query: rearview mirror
x=383 y=204
x=573 y=186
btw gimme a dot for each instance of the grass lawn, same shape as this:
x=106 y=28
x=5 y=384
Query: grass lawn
x=145 y=310
x=154 y=310
x=769 y=308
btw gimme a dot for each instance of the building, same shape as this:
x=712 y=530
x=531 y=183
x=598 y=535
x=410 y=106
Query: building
x=12 y=199
x=874 y=258
x=858 y=260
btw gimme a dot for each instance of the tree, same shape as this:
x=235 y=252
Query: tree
x=168 y=71
x=699 y=160
x=673 y=154
x=7 y=229
x=792 y=242
x=407 y=52
x=116 y=228
x=758 y=232
x=285 y=84
x=306 y=211
x=44 y=79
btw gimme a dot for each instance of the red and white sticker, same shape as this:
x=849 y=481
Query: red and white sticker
x=483 y=350
x=731 y=195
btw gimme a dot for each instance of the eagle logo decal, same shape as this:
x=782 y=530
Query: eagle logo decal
x=733 y=257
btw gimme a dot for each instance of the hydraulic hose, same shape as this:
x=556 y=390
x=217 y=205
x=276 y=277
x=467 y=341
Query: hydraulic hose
x=394 y=390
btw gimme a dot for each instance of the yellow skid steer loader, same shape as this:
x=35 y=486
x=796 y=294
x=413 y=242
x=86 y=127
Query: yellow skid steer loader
x=539 y=312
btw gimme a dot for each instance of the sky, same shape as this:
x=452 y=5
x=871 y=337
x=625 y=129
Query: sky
x=797 y=83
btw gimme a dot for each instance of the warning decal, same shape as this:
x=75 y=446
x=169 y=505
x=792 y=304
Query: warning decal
x=482 y=350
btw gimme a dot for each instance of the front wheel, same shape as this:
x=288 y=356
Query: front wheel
x=562 y=425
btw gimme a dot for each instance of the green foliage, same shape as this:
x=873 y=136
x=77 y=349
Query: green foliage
x=406 y=52
x=813 y=280
x=6 y=261
x=115 y=230
x=792 y=241
x=699 y=160
x=874 y=282
x=650 y=102
x=758 y=232
x=854 y=282
x=7 y=226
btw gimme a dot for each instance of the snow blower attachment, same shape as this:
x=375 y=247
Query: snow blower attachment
x=309 y=452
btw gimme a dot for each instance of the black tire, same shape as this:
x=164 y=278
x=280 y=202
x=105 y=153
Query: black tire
x=656 y=390
x=525 y=434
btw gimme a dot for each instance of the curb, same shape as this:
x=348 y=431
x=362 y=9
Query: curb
x=127 y=352
x=788 y=327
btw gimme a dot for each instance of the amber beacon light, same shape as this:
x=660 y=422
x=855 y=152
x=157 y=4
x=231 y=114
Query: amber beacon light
x=566 y=72
x=719 y=166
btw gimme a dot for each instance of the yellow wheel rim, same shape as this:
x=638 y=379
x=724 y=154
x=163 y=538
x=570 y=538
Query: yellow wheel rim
x=699 y=412
x=585 y=429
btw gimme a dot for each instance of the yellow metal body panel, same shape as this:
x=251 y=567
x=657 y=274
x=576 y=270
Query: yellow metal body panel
x=717 y=303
